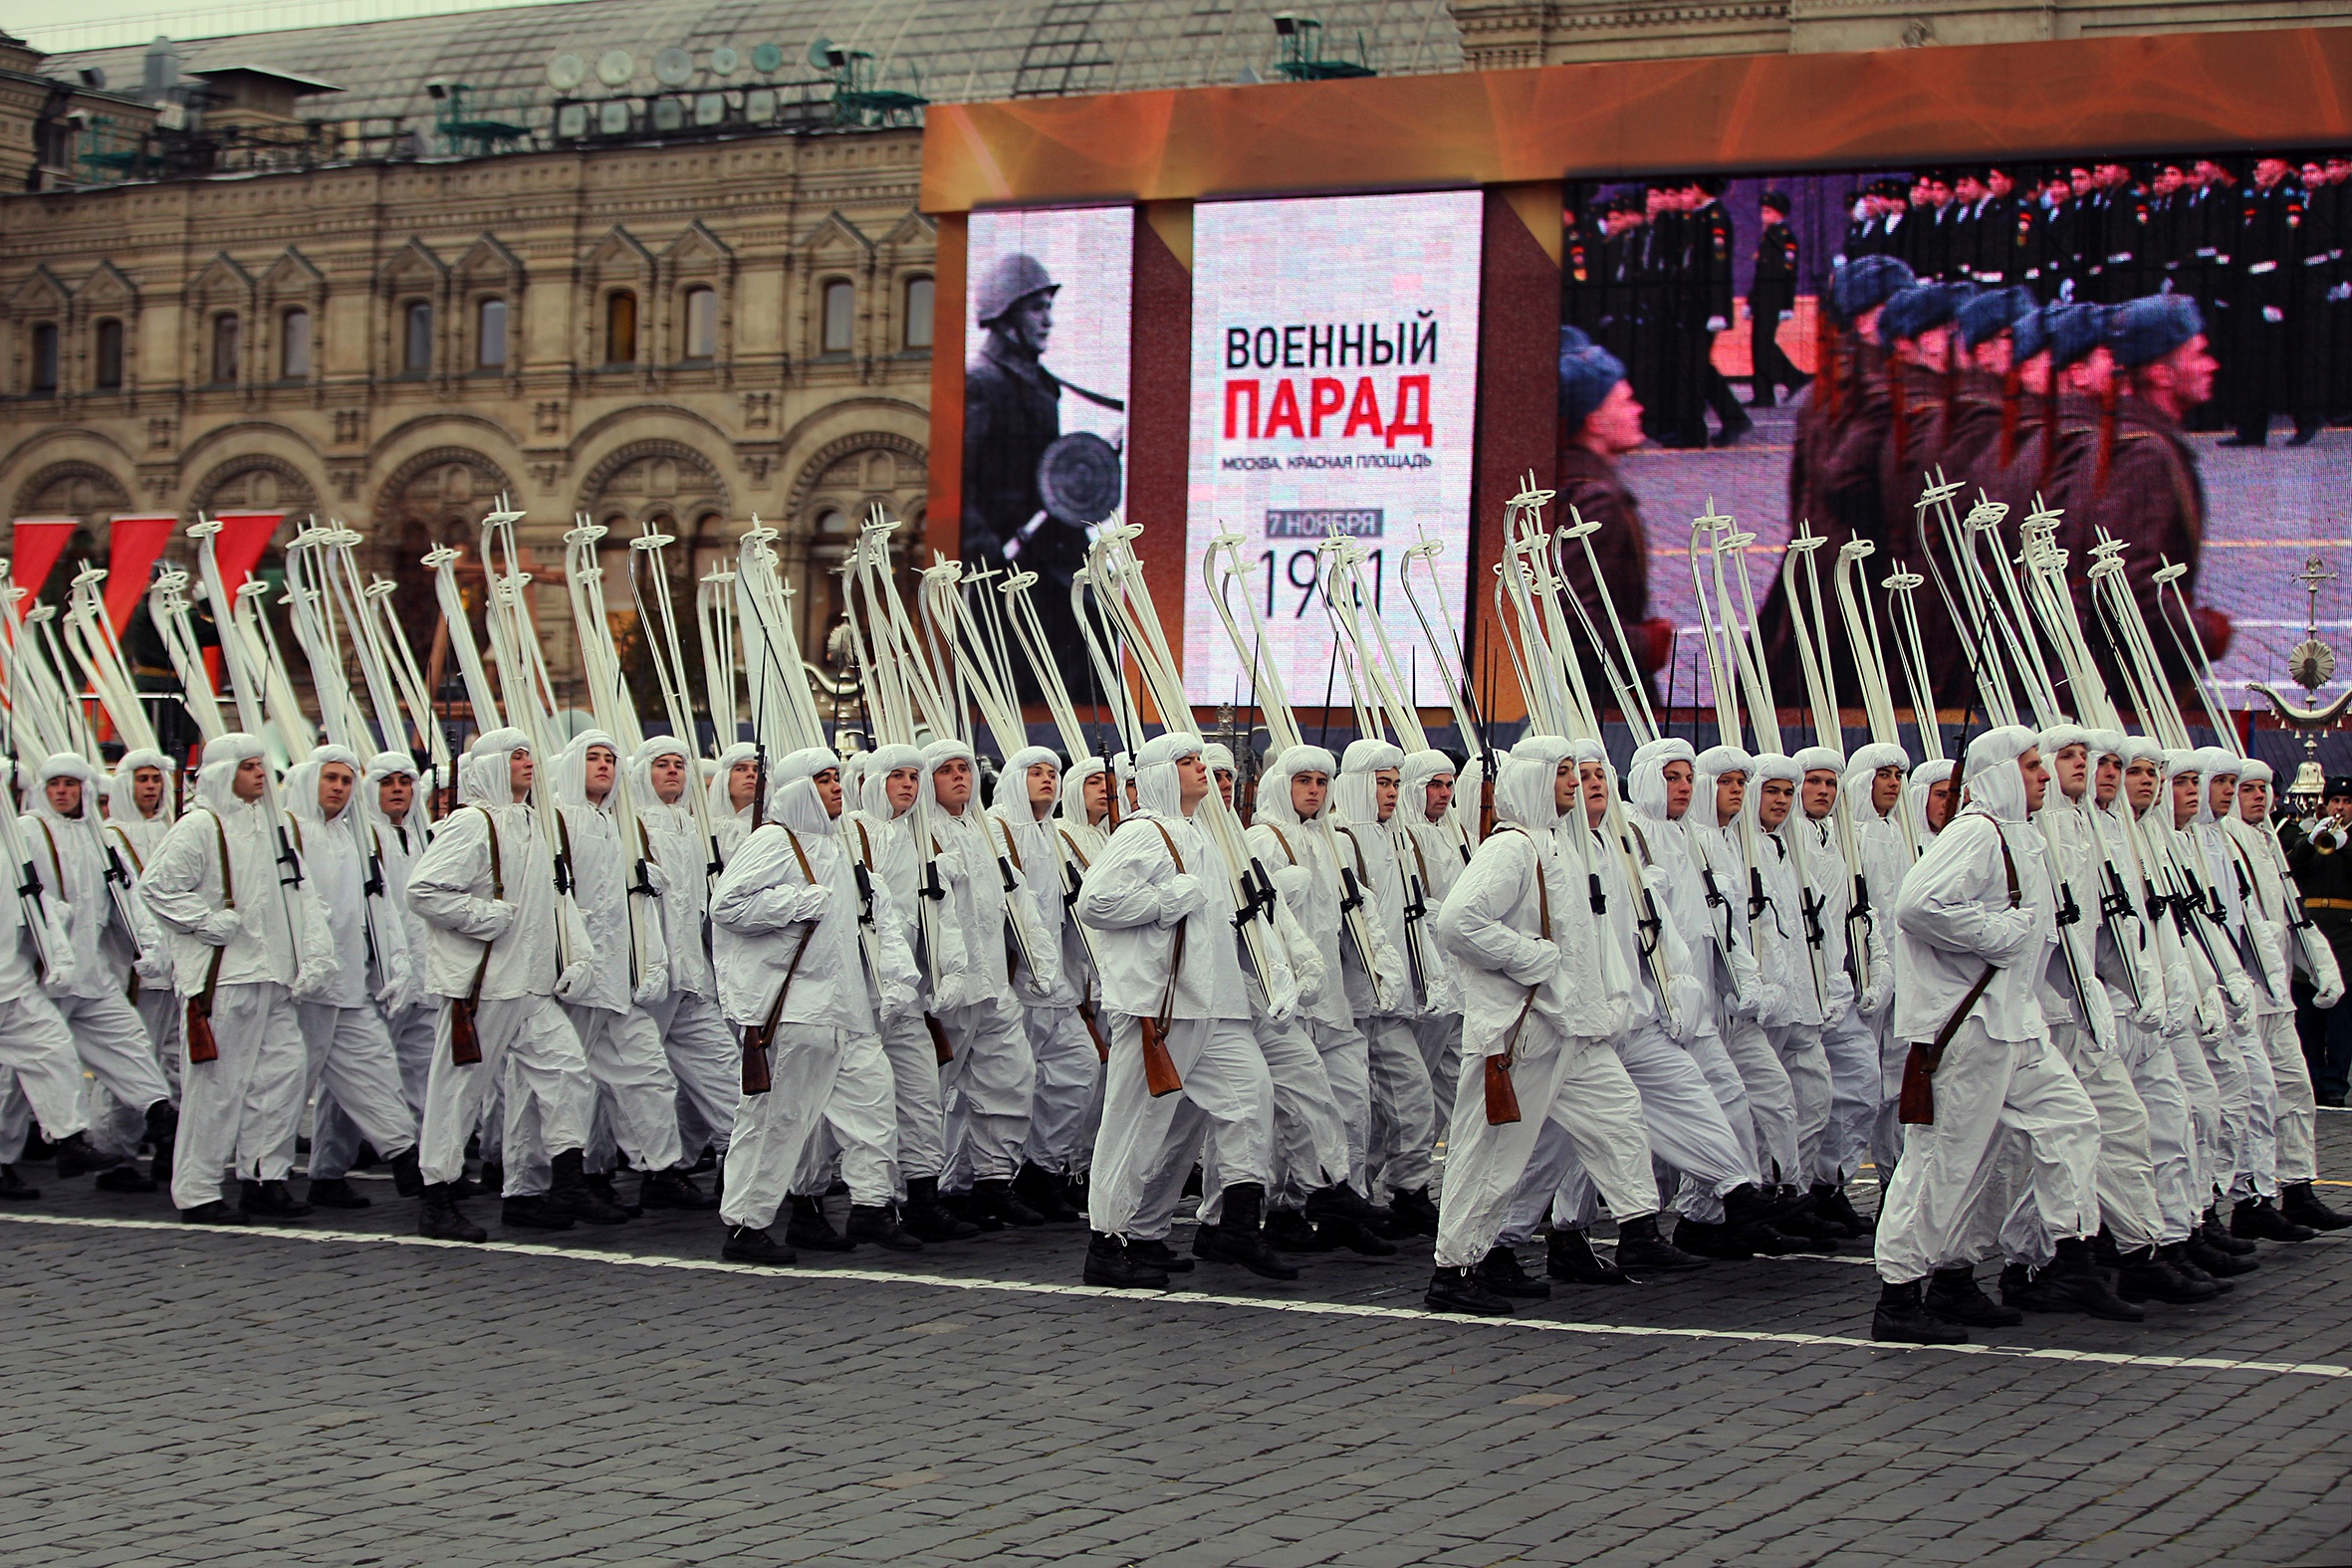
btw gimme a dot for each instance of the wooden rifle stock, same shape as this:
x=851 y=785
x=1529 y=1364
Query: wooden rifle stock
x=1915 y=1106
x=202 y=1046
x=1159 y=1069
x=1094 y=1033
x=940 y=1048
x=1502 y=1096
x=465 y=1037
x=759 y=1037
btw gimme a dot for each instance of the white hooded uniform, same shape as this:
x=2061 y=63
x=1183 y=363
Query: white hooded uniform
x=784 y=918
x=989 y=1084
x=883 y=839
x=1535 y=994
x=73 y=866
x=353 y=1065
x=1884 y=842
x=1163 y=936
x=2275 y=916
x=1803 y=984
x=701 y=1049
x=1681 y=1116
x=636 y=1109
x=136 y=836
x=1433 y=853
x=1850 y=929
x=730 y=825
x=1403 y=1137
x=1954 y=927
x=2255 y=945
x=1735 y=914
x=39 y=1074
x=2174 y=1082
x=494 y=920
x=2223 y=1016
x=1066 y=1064
x=233 y=934
x=409 y=1012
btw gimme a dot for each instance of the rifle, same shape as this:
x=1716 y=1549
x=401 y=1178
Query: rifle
x=758 y=1038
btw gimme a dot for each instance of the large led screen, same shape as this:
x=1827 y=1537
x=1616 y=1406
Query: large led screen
x=1335 y=364
x=1046 y=316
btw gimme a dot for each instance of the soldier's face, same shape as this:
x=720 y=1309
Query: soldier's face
x=1680 y=780
x=2204 y=172
x=1886 y=788
x=899 y=787
x=1773 y=803
x=829 y=789
x=1614 y=428
x=669 y=778
x=1939 y=193
x=1031 y=322
x=1820 y=791
x=335 y=788
x=1938 y=806
x=2081 y=182
x=742 y=779
x=1384 y=787
x=2036 y=773
x=1044 y=783
x=2270 y=172
x=2253 y=800
x=1992 y=355
x=65 y=795
x=1225 y=785
x=2167 y=180
x=1307 y=792
x=2222 y=792
x=2074 y=770
x=2339 y=807
x=1773 y=215
x=394 y=794
x=2184 y=799
x=2107 y=778
x=951 y=783
x=519 y=771
x=1436 y=795
x=2184 y=378
x=1731 y=793
x=147 y=789
x=1998 y=183
x=2339 y=170
x=2314 y=175
x=1971 y=189
x=1566 y=787
x=1594 y=780
x=2139 y=785
x=1097 y=796
x=596 y=771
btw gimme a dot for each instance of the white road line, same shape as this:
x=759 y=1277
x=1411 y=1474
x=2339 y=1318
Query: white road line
x=881 y=1276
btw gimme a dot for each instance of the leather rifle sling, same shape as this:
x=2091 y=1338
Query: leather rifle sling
x=756 y=1079
x=202 y=1044
x=1503 y=1094
x=1915 y=1105
x=1159 y=1069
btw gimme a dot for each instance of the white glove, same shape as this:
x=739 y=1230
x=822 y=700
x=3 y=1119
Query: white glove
x=578 y=976
x=152 y=965
x=654 y=986
x=498 y=917
x=2210 y=1015
x=1716 y=323
x=1292 y=881
x=2328 y=995
x=1282 y=991
x=396 y=997
x=1689 y=1001
x=1186 y=894
x=898 y=1000
x=320 y=971
x=219 y=928
x=1771 y=1002
x=2242 y=994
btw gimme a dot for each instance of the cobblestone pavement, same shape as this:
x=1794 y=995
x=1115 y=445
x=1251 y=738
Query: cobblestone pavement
x=340 y=1393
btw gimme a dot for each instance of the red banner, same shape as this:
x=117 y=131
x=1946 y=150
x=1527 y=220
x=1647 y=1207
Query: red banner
x=243 y=537
x=39 y=542
x=138 y=543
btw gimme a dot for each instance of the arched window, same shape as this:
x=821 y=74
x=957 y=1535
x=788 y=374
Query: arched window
x=702 y=323
x=227 y=348
x=294 y=345
x=840 y=307
x=621 y=327
x=109 y=356
x=490 y=335
x=44 y=359
x=416 y=356
x=919 y=295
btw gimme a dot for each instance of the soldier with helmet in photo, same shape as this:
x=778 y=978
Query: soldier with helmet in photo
x=1030 y=492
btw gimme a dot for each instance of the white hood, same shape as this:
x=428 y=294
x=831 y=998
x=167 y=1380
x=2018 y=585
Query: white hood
x=1156 y=785
x=1990 y=771
x=1274 y=785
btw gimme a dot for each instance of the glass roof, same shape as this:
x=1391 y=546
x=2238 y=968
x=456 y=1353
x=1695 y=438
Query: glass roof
x=941 y=49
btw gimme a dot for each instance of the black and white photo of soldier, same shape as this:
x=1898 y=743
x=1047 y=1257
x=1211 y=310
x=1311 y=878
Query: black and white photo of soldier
x=1033 y=494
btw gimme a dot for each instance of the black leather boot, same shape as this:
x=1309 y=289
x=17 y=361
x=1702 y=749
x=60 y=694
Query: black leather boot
x=2142 y=1275
x=14 y=1188
x=995 y=1197
x=1747 y=1228
x=811 y=1232
x=2253 y=1219
x=1044 y=1192
x=535 y=1211
x=1954 y=1296
x=2020 y=1288
x=1903 y=1318
x=271 y=1203
x=673 y=1188
x=124 y=1178
x=750 y=1245
x=2300 y=1205
x=1568 y=1256
x=1500 y=1272
x=600 y=1184
x=1293 y=1231
x=1236 y=1238
x=2175 y=1255
x=1115 y=1266
x=2077 y=1284
x=2218 y=1236
x=1154 y=1253
x=162 y=1137
x=407 y=1179
x=215 y=1211
x=872 y=1222
x=1640 y=1246
x=1833 y=1205
x=1354 y=1234
x=1412 y=1213
x=76 y=1156
x=2222 y=1265
x=335 y=1192
x=1460 y=1290
x=927 y=1219
x=1338 y=1201
x=571 y=1193
x=439 y=1217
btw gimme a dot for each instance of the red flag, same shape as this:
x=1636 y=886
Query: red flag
x=39 y=542
x=243 y=537
x=138 y=542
